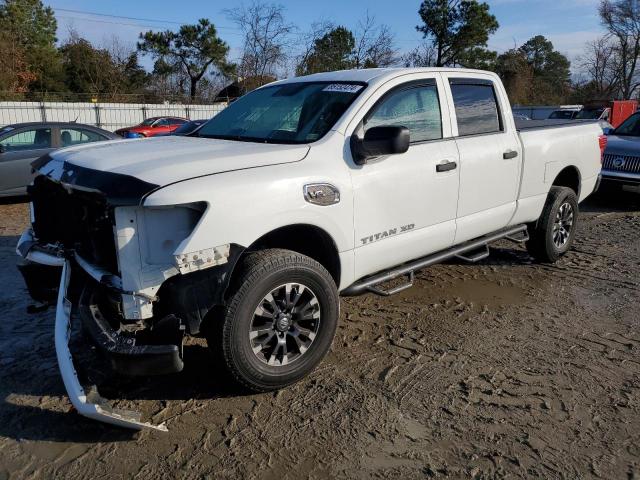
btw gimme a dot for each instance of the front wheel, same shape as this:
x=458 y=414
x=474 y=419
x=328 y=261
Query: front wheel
x=553 y=234
x=280 y=319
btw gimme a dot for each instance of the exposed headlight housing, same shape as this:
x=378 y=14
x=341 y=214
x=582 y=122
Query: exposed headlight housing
x=147 y=239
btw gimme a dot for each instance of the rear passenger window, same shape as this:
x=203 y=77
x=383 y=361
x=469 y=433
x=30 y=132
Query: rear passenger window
x=476 y=108
x=76 y=136
x=416 y=108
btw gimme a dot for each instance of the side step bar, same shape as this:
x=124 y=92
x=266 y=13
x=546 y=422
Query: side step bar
x=471 y=251
x=475 y=255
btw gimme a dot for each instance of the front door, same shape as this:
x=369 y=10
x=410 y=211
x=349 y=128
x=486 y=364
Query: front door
x=405 y=205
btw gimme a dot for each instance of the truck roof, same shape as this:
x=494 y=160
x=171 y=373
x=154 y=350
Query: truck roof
x=370 y=74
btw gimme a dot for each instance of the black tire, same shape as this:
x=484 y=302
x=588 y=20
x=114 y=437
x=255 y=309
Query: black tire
x=544 y=245
x=260 y=274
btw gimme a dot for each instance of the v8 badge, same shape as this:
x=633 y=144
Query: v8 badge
x=322 y=194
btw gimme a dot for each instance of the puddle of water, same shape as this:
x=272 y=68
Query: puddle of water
x=476 y=290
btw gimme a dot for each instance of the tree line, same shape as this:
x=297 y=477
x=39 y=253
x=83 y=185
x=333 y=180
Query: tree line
x=194 y=61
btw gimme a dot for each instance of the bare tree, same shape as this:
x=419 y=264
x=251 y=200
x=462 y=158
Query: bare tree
x=422 y=56
x=374 y=44
x=622 y=20
x=117 y=48
x=371 y=46
x=267 y=38
x=600 y=65
x=318 y=30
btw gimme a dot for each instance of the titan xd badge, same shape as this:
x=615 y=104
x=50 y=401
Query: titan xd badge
x=387 y=233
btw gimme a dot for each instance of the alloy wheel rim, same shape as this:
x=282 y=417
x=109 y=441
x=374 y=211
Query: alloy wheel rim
x=563 y=225
x=285 y=324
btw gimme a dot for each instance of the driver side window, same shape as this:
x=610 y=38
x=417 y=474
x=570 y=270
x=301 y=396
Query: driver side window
x=416 y=108
x=28 y=140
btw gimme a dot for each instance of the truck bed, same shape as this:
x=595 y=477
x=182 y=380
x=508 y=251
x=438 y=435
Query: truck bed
x=548 y=123
x=549 y=146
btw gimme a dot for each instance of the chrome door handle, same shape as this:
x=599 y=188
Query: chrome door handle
x=445 y=167
x=509 y=154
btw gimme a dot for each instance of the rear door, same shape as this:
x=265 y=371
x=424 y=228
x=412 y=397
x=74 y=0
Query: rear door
x=490 y=155
x=19 y=149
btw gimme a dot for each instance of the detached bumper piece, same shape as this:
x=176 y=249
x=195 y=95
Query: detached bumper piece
x=89 y=405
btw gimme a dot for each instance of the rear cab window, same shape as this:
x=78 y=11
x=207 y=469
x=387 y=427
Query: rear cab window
x=476 y=105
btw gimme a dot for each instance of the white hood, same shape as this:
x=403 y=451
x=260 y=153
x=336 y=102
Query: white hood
x=164 y=160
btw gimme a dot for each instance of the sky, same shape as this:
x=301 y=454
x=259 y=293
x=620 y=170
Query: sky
x=569 y=24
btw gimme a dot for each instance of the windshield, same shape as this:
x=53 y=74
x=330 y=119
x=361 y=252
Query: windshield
x=290 y=113
x=148 y=122
x=631 y=126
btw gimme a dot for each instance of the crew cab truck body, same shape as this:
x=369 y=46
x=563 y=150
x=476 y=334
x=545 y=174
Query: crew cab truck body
x=248 y=231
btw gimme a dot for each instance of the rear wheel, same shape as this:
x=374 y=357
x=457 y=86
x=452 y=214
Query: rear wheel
x=280 y=320
x=553 y=234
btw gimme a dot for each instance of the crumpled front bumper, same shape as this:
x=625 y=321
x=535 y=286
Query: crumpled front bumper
x=90 y=405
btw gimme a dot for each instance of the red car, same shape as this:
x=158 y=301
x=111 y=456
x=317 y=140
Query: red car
x=152 y=127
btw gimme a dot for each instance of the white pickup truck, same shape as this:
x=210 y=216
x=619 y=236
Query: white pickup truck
x=247 y=231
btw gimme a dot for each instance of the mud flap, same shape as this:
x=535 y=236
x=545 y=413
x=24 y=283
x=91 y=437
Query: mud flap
x=90 y=405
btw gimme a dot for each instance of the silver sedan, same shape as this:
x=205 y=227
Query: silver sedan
x=22 y=143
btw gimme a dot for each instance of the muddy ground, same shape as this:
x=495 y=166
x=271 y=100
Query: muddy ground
x=499 y=369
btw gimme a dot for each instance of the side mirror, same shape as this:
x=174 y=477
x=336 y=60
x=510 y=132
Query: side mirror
x=3 y=149
x=379 y=141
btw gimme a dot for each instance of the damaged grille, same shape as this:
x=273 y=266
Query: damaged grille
x=75 y=219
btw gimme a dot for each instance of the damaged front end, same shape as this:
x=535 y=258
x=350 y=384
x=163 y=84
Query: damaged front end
x=119 y=268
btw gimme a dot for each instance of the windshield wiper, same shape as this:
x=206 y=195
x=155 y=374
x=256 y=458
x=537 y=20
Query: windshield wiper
x=242 y=138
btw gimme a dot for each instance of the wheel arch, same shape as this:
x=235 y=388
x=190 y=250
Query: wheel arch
x=307 y=239
x=569 y=177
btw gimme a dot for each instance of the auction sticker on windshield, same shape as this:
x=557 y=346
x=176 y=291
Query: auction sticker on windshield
x=342 y=87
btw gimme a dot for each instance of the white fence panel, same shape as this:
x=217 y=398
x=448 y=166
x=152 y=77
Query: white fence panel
x=70 y=112
x=20 y=112
x=120 y=115
x=110 y=116
x=202 y=112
